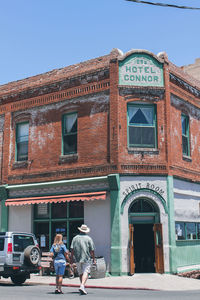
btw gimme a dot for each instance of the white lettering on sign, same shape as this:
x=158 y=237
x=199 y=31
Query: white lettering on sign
x=140 y=71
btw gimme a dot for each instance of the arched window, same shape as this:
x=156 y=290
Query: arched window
x=142 y=206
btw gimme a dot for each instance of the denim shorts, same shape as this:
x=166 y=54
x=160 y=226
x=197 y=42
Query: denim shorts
x=59 y=266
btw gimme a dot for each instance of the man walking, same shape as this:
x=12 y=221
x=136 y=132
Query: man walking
x=82 y=248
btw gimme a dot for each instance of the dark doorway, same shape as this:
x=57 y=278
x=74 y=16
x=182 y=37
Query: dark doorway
x=144 y=252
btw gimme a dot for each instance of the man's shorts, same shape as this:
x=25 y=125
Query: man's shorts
x=59 y=266
x=83 y=267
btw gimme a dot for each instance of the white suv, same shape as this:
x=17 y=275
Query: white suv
x=19 y=256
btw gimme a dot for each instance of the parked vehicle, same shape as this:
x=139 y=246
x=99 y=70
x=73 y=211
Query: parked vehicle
x=19 y=256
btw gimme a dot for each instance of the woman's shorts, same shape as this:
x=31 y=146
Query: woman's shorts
x=59 y=266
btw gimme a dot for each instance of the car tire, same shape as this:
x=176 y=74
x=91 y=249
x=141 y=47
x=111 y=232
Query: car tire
x=32 y=255
x=18 y=279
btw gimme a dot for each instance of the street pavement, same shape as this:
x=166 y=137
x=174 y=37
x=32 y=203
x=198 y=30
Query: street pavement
x=46 y=292
x=147 y=281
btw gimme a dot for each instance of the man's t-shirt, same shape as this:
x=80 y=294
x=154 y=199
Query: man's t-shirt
x=82 y=244
x=58 y=251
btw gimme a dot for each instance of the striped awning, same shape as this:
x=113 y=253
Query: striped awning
x=57 y=199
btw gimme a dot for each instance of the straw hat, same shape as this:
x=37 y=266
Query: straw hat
x=84 y=228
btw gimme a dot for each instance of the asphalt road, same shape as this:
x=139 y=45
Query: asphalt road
x=30 y=292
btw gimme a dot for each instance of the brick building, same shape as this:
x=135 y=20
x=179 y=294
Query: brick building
x=193 y=69
x=113 y=142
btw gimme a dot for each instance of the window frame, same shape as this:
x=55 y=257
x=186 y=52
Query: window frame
x=48 y=218
x=185 y=225
x=154 y=126
x=186 y=135
x=69 y=134
x=16 y=141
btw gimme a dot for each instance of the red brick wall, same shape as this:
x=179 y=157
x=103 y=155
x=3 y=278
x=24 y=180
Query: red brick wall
x=102 y=133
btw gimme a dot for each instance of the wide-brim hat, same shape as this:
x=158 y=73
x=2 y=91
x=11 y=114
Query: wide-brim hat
x=84 y=228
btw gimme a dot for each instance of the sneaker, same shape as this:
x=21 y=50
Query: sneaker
x=56 y=291
x=82 y=291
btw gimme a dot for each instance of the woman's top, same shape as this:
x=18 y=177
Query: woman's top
x=58 y=251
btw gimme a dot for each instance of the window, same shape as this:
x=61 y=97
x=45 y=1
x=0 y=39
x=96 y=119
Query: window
x=191 y=231
x=1 y=244
x=52 y=218
x=142 y=206
x=187 y=231
x=142 y=125
x=22 y=241
x=198 y=231
x=70 y=133
x=185 y=135
x=22 y=132
x=180 y=231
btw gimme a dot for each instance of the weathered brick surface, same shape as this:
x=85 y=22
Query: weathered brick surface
x=91 y=89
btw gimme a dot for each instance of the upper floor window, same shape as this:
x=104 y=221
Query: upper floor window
x=185 y=135
x=70 y=133
x=22 y=133
x=142 y=125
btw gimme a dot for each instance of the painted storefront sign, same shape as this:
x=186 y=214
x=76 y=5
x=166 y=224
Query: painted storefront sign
x=141 y=185
x=140 y=69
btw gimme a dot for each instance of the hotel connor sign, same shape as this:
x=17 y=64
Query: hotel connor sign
x=141 y=69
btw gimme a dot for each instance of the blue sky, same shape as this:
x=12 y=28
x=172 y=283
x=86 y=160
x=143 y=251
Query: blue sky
x=41 y=35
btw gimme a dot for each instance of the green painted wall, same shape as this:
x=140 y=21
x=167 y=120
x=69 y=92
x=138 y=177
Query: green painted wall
x=4 y=209
x=182 y=253
x=187 y=253
x=171 y=224
x=116 y=260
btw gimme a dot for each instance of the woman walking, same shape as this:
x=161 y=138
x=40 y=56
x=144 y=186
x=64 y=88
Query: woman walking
x=59 y=253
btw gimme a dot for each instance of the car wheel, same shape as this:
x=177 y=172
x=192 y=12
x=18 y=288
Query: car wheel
x=18 y=279
x=32 y=255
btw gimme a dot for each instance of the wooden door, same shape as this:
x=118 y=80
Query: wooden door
x=131 y=249
x=158 y=240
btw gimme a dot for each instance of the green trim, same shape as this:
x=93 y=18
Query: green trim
x=116 y=255
x=144 y=190
x=50 y=220
x=142 y=125
x=4 y=209
x=70 y=133
x=186 y=134
x=58 y=183
x=16 y=140
x=155 y=218
x=171 y=224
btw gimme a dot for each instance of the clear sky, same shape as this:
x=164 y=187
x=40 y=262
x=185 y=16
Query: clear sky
x=37 y=36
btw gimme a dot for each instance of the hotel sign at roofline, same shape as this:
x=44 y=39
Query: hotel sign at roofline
x=141 y=69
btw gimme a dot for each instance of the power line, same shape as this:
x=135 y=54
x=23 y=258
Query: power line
x=163 y=4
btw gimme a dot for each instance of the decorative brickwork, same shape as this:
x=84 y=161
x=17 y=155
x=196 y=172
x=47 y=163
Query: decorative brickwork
x=91 y=90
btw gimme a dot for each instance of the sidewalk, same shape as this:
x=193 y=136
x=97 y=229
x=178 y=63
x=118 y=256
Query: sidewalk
x=153 y=281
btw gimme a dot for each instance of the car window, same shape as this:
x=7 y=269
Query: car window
x=1 y=244
x=22 y=241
